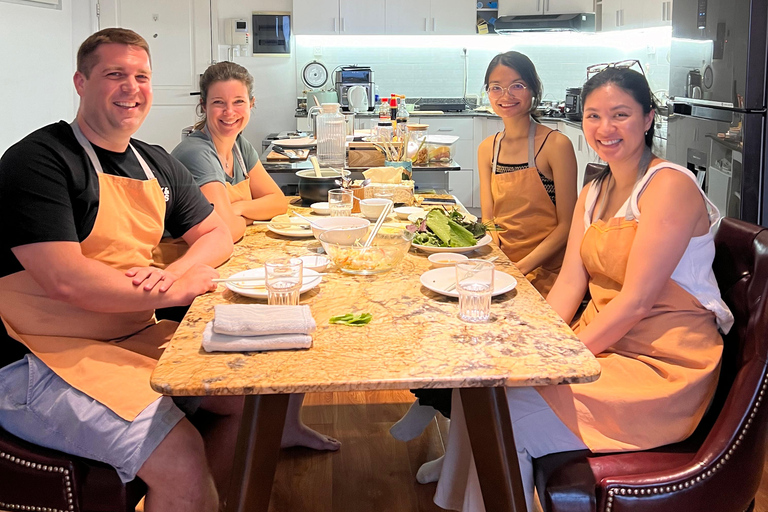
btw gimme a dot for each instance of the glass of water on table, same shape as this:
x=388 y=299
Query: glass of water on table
x=283 y=279
x=474 y=283
x=340 y=202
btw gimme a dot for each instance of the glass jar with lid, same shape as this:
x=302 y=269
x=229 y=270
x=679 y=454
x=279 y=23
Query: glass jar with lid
x=331 y=136
x=383 y=132
x=416 y=149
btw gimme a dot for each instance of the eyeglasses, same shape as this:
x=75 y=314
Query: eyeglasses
x=497 y=91
x=624 y=64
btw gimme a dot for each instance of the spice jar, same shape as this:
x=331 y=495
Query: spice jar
x=416 y=149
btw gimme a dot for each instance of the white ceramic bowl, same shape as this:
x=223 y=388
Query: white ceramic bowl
x=344 y=228
x=445 y=259
x=316 y=262
x=373 y=207
x=403 y=212
x=321 y=208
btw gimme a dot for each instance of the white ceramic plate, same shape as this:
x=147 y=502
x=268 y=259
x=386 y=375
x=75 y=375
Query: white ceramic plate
x=480 y=243
x=302 y=142
x=289 y=226
x=439 y=279
x=321 y=208
x=257 y=290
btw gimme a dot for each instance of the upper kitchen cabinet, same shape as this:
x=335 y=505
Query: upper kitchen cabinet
x=534 y=7
x=627 y=14
x=450 y=17
x=328 y=17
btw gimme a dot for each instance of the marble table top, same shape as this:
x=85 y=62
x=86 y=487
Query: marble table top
x=415 y=339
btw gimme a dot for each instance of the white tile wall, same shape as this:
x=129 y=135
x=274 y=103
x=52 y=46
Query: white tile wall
x=434 y=65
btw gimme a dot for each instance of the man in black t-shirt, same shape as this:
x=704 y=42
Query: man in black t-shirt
x=82 y=206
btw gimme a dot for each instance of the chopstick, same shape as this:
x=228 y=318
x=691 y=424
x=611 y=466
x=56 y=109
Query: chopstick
x=249 y=279
x=382 y=216
x=453 y=286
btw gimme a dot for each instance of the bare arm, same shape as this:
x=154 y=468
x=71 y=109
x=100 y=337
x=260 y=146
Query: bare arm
x=673 y=211
x=571 y=284
x=484 y=154
x=562 y=161
x=268 y=200
x=65 y=274
x=209 y=244
x=216 y=193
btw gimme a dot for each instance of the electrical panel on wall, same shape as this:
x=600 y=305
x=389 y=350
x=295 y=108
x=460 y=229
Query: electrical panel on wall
x=271 y=33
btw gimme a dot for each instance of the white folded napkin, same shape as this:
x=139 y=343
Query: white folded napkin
x=261 y=319
x=213 y=342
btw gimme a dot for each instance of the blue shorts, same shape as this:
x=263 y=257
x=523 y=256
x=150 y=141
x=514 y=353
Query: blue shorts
x=38 y=406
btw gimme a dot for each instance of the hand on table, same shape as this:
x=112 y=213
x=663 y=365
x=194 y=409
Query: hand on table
x=149 y=277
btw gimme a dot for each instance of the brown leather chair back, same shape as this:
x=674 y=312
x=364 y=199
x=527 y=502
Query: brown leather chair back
x=719 y=467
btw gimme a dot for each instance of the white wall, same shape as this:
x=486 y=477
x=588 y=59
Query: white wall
x=38 y=47
x=274 y=77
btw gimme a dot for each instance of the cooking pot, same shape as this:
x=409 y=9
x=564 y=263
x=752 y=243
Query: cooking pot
x=322 y=97
x=315 y=190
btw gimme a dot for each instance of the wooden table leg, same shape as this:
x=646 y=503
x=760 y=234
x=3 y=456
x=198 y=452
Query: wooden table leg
x=258 y=448
x=493 y=446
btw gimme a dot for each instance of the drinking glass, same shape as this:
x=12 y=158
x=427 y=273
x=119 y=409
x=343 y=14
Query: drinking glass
x=340 y=202
x=474 y=283
x=283 y=279
x=384 y=191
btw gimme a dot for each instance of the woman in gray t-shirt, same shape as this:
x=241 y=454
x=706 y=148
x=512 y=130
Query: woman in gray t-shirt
x=225 y=165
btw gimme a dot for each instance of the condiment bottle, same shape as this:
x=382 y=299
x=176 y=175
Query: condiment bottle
x=402 y=119
x=331 y=136
x=393 y=112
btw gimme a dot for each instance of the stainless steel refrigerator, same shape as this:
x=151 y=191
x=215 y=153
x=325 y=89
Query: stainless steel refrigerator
x=717 y=110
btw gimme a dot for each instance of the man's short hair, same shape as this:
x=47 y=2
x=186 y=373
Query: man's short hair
x=86 y=55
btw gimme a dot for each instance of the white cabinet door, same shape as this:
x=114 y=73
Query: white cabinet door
x=632 y=14
x=408 y=16
x=611 y=14
x=520 y=7
x=453 y=17
x=316 y=17
x=657 y=13
x=568 y=6
x=358 y=17
x=461 y=185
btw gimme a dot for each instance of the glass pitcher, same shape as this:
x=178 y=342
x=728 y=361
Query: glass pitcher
x=331 y=136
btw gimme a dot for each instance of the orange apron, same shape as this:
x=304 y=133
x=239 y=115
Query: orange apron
x=171 y=249
x=658 y=380
x=108 y=356
x=522 y=207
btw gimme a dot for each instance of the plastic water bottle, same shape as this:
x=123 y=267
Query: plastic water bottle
x=331 y=136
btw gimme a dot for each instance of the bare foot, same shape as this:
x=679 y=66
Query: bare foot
x=305 y=436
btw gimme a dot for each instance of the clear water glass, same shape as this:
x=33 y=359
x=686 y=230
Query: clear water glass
x=474 y=283
x=283 y=280
x=384 y=191
x=340 y=202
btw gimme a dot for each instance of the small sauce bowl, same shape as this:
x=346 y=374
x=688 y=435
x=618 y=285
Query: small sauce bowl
x=316 y=262
x=445 y=259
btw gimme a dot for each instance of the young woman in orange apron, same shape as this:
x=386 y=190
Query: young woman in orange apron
x=214 y=152
x=532 y=202
x=646 y=255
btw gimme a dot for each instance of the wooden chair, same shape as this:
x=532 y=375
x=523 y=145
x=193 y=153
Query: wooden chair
x=719 y=467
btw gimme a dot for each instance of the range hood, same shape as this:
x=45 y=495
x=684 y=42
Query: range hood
x=581 y=22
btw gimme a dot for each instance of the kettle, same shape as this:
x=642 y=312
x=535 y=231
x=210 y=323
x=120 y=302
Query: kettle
x=357 y=98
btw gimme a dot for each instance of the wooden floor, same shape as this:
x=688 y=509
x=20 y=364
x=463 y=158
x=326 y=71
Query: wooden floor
x=372 y=472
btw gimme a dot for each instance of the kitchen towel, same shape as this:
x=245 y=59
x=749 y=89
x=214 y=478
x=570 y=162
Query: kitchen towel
x=213 y=342
x=262 y=320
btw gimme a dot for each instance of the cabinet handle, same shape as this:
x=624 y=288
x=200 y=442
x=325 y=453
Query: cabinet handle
x=617 y=18
x=434 y=24
x=445 y=129
x=335 y=29
x=343 y=25
x=546 y=2
x=538 y=5
x=426 y=26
